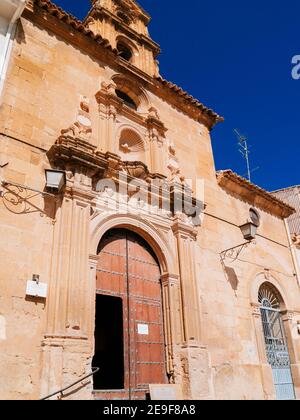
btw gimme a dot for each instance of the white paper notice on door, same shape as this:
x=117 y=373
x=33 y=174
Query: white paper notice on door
x=143 y=329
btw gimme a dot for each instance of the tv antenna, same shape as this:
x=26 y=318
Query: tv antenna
x=244 y=149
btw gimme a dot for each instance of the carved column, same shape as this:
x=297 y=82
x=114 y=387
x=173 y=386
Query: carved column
x=108 y=105
x=156 y=134
x=102 y=141
x=157 y=155
x=111 y=130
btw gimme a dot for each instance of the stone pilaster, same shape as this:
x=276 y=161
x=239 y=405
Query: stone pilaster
x=186 y=241
x=173 y=318
x=191 y=358
x=67 y=345
x=108 y=104
x=291 y=322
x=68 y=340
x=156 y=135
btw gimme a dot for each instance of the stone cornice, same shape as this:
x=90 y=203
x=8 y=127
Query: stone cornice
x=73 y=30
x=38 y=10
x=201 y=111
x=76 y=155
x=181 y=228
x=253 y=194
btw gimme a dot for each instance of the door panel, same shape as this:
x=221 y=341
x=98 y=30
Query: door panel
x=127 y=268
x=145 y=301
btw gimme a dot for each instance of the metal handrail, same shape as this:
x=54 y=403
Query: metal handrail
x=61 y=391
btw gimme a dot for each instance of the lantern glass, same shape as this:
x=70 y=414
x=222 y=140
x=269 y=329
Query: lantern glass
x=55 y=180
x=249 y=231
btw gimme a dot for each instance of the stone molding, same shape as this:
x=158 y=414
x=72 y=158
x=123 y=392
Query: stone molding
x=253 y=194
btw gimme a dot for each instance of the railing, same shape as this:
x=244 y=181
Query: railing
x=61 y=391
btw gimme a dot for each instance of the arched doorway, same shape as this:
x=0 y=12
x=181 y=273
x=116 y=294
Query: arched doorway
x=276 y=345
x=129 y=336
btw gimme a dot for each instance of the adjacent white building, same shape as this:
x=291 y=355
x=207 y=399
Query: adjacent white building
x=291 y=196
x=10 y=12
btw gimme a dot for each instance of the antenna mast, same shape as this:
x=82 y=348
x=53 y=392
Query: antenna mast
x=244 y=150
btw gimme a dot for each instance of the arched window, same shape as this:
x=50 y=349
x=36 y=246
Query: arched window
x=275 y=341
x=268 y=297
x=254 y=216
x=126 y=99
x=131 y=93
x=131 y=146
x=124 y=51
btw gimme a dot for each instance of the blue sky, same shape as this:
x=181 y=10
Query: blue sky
x=235 y=57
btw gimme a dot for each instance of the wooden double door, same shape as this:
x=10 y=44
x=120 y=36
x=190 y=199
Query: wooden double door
x=129 y=336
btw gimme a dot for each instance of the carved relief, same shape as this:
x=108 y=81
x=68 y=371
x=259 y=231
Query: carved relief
x=155 y=126
x=173 y=165
x=131 y=146
x=82 y=127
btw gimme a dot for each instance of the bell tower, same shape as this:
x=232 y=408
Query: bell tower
x=125 y=25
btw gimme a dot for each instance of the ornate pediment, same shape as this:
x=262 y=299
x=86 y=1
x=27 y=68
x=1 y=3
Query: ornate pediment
x=88 y=168
x=71 y=152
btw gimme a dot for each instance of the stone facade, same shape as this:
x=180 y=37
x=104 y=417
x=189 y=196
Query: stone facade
x=87 y=98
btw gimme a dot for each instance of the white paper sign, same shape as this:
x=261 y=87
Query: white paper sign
x=165 y=392
x=143 y=329
x=36 y=289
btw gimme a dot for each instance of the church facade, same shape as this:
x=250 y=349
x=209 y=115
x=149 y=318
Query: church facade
x=122 y=247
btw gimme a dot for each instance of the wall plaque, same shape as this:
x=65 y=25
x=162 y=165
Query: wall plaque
x=143 y=329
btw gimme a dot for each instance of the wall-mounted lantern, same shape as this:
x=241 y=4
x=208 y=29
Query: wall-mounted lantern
x=35 y=288
x=249 y=231
x=55 y=180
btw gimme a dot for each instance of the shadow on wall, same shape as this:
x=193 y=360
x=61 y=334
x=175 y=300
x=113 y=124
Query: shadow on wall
x=20 y=200
x=231 y=277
